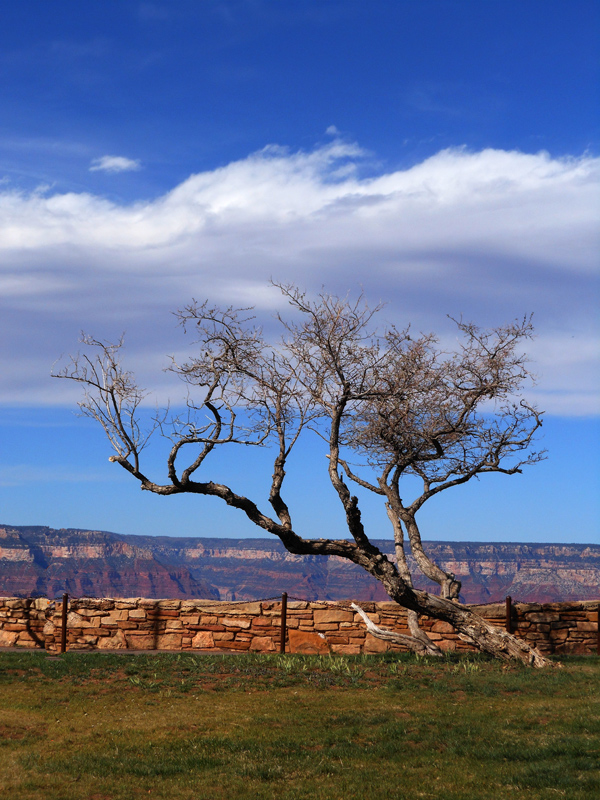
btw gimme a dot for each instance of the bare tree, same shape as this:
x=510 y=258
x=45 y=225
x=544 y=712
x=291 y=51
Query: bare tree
x=387 y=404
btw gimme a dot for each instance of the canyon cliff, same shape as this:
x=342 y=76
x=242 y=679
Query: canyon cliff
x=42 y=561
x=48 y=562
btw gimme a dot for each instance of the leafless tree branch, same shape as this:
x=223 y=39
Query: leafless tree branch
x=395 y=400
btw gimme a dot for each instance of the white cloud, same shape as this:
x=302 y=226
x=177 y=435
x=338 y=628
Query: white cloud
x=491 y=234
x=115 y=164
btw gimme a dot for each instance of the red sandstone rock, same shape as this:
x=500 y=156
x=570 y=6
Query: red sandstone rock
x=333 y=615
x=234 y=645
x=232 y=622
x=144 y=642
x=337 y=638
x=203 y=640
x=300 y=642
x=262 y=644
x=7 y=638
x=190 y=619
x=442 y=627
x=446 y=644
x=262 y=622
x=374 y=645
x=346 y=649
x=115 y=642
x=168 y=641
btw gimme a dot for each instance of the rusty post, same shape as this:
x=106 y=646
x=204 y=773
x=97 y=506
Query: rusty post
x=598 y=631
x=283 y=622
x=509 y=627
x=63 y=631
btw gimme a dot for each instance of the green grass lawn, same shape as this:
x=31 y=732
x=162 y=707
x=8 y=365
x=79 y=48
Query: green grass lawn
x=108 y=727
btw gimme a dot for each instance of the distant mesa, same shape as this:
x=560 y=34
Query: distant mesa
x=37 y=560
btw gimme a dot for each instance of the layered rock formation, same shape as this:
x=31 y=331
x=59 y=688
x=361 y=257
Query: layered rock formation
x=40 y=560
x=246 y=569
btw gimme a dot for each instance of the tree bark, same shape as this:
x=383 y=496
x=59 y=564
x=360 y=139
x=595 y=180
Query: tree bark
x=450 y=587
x=418 y=642
x=478 y=631
x=404 y=572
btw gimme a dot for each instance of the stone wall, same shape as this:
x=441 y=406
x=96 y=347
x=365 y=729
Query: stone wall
x=315 y=627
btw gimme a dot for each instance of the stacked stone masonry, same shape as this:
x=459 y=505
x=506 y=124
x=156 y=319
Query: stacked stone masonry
x=315 y=627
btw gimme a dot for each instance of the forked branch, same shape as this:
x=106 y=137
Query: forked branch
x=392 y=400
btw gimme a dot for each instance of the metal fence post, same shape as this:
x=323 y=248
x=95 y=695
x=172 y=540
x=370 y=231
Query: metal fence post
x=598 y=631
x=283 y=622
x=63 y=632
x=509 y=627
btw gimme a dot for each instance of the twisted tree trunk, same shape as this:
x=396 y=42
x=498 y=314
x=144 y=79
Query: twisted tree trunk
x=470 y=626
x=417 y=642
x=486 y=637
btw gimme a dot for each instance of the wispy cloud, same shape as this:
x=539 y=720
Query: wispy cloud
x=491 y=234
x=23 y=474
x=115 y=164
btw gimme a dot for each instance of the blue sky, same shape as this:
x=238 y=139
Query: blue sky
x=443 y=156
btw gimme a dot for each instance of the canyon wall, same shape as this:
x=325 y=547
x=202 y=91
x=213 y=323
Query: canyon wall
x=45 y=561
x=250 y=569
x=318 y=627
